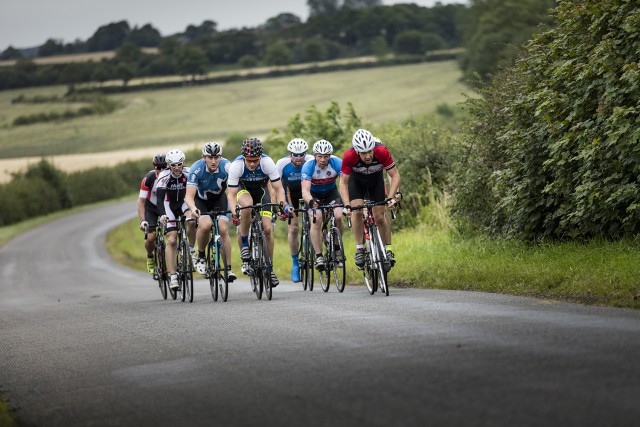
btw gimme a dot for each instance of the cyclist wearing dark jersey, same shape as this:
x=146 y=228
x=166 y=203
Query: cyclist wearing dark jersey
x=148 y=207
x=319 y=177
x=249 y=175
x=172 y=187
x=206 y=192
x=290 y=169
x=362 y=178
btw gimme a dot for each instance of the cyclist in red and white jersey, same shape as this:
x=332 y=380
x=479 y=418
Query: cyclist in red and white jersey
x=361 y=177
x=172 y=187
x=148 y=206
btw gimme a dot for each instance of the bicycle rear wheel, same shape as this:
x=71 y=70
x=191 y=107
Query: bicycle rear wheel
x=338 y=260
x=160 y=273
x=223 y=280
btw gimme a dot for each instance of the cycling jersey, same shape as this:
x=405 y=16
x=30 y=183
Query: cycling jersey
x=171 y=192
x=353 y=166
x=322 y=180
x=291 y=179
x=209 y=186
x=241 y=176
x=149 y=189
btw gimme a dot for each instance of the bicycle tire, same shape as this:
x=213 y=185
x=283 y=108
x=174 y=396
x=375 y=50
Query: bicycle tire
x=309 y=261
x=223 y=281
x=256 y=274
x=160 y=273
x=188 y=274
x=266 y=266
x=339 y=273
x=211 y=270
x=368 y=273
x=380 y=261
x=302 y=260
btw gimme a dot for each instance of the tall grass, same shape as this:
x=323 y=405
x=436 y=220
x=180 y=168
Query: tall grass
x=434 y=256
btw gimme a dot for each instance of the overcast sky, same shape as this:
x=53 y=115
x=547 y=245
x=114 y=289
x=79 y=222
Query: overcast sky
x=29 y=23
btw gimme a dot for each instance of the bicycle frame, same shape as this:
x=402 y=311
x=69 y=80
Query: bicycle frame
x=306 y=254
x=260 y=265
x=217 y=269
x=332 y=242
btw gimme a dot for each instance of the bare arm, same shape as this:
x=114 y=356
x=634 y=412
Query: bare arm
x=190 y=200
x=394 y=179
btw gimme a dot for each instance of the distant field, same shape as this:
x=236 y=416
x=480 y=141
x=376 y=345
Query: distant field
x=76 y=57
x=192 y=115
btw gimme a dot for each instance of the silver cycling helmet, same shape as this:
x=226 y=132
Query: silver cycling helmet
x=297 y=146
x=363 y=141
x=174 y=156
x=212 y=149
x=322 y=147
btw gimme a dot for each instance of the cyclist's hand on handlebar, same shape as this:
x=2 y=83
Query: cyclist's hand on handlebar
x=164 y=219
x=144 y=225
x=392 y=203
x=195 y=213
x=346 y=210
x=235 y=219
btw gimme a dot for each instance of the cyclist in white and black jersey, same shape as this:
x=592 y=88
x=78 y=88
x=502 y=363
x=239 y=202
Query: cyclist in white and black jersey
x=172 y=187
x=148 y=207
x=249 y=175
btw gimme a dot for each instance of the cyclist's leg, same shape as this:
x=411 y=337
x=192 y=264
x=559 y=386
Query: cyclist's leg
x=171 y=240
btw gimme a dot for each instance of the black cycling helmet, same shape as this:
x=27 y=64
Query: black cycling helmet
x=251 y=147
x=159 y=161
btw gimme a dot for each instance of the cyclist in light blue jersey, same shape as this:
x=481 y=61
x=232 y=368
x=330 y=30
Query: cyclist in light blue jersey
x=319 y=177
x=206 y=192
x=290 y=169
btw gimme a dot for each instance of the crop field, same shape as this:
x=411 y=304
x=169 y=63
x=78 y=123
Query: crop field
x=193 y=114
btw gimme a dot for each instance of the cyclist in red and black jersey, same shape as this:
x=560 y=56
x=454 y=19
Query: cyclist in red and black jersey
x=361 y=177
x=148 y=206
x=172 y=188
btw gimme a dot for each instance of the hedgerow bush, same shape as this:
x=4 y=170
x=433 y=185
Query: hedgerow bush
x=552 y=148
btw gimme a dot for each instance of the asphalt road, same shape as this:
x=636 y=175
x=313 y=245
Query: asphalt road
x=84 y=342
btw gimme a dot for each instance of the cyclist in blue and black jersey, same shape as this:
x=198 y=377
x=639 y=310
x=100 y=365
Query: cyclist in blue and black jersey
x=249 y=176
x=148 y=207
x=206 y=192
x=319 y=187
x=290 y=169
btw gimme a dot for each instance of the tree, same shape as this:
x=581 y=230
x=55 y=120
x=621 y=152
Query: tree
x=409 y=42
x=314 y=50
x=496 y=30
x=147 y=36
x=125 y=73
x=108 y=37
x=361 y=4
x=51 y=47
x=11 y=53
x=191 y=61
x=282 y=21
x=553 y=143
x=323 y=7
x=278 y=54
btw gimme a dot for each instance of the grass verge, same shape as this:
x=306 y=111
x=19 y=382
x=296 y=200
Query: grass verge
x=596 y=272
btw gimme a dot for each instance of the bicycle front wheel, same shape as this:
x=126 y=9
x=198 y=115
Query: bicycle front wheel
x=266 y=270
x=381 y=262
x=211 y=270
x=223 y=280
x=307 y=255
x=338 y=260
x=160 y=274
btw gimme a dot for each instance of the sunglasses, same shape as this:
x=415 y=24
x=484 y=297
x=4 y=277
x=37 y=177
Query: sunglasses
x=176 y=165
x=298 y=155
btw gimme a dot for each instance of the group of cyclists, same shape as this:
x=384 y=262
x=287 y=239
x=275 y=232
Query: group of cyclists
x=216 y=184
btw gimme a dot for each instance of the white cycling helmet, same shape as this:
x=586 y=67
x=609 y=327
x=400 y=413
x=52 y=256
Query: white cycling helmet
x=174 y=156
x=297 y=146
x=212 y=149
x=363 y=141
x=322 y=147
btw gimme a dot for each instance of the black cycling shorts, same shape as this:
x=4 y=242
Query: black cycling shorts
x=370 y=188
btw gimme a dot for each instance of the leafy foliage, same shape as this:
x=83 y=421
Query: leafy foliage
x=553 y=146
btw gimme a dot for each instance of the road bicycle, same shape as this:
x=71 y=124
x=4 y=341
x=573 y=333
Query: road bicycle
x=376 y=265
x=260 y=265
x=185 y=263
x=333 y=250
x=306 y=254
x=217 y=268
x=160 y=262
